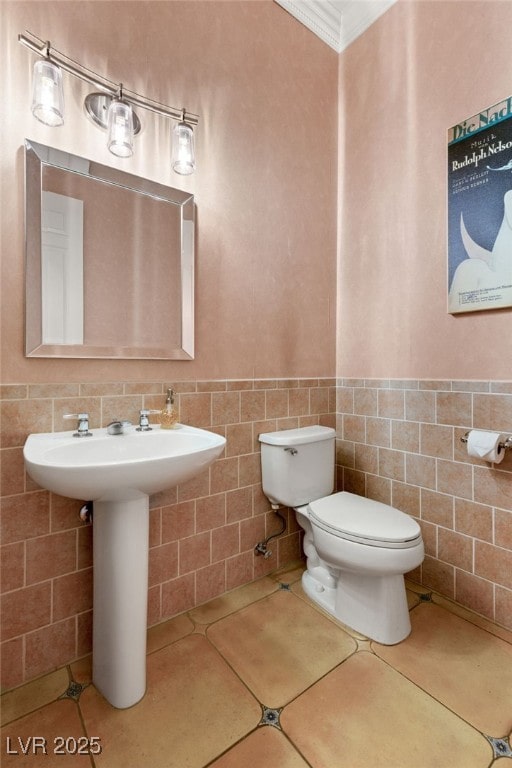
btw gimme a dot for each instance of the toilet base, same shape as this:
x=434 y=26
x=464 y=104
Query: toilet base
x=321 y=594
x=374 y=606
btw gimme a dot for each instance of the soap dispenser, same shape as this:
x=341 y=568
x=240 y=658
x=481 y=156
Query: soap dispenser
x=168 y=415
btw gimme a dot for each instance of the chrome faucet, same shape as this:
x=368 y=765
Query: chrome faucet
x=83 y=424
x=117 y=427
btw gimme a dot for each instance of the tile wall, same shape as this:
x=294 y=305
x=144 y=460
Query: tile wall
x=202 y=533
x=399 y=442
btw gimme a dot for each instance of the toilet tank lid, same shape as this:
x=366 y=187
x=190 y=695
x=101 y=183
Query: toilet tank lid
x=298 y=436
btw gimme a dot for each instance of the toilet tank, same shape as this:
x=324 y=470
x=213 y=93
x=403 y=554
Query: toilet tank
x=297 y=465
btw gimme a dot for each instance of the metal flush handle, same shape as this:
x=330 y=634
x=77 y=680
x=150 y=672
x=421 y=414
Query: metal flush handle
x=293 y=451
x=83 y=424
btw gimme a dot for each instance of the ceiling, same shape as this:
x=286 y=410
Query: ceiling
x=336 y=22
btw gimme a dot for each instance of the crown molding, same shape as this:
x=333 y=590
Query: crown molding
x=336 y=22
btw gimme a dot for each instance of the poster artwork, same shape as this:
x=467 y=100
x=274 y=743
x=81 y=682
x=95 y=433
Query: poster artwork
x=480 y=211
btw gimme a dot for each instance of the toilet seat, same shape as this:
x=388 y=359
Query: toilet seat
x=365 y=521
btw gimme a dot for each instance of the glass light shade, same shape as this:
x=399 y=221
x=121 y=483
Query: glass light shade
x=120 y=128
x=48 y=93
x=183 y=154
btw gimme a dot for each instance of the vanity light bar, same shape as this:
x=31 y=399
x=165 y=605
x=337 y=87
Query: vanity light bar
x=44 y=49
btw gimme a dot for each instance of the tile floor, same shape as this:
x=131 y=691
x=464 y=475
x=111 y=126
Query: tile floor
x=262 y=678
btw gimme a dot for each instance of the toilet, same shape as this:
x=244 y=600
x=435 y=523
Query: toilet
x=357 y=549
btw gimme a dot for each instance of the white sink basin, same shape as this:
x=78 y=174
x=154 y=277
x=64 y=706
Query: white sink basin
x=118 y=472
x=104 y=465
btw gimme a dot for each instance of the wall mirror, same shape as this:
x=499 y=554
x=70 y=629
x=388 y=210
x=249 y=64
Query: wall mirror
x=109 y=261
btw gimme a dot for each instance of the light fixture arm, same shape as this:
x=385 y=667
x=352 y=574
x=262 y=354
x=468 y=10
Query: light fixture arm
x=44 y=49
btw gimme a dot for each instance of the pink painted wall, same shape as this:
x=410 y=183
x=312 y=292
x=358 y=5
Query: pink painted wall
x=420 y=69
x=266 y=90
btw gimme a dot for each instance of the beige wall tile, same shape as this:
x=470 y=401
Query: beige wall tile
x=239 y=570
x=354 y=428
x=12 y=471
x=249 y=469
x=276 y=403
x=437 y=508
x=378 y=488
x=392 y=464
x=492 y=412
x=12 y=566
x=194 y=553
x=420 y=470
x=503 y=528
x=474 y=519
x=493 y=487
x=225 y=407
x=366 y=458
x=239 y=504
x=366 y=402
x=24 y=516
x=50 y=647
x=474 y=593
x=454 y=408
x=25 y=610
x=298 y=402
x=50 y=556
x=420 y=406
x=225 y=542
x=503 y=607
x=438 y=575
x=493 y=563
x=210 y=582
x=22 y=417
x=72 y=594
x=178 y=521
x=252 y=406
x=210 y=512
x=178 y=595
x=163 y=563
x=454 y=478
x=391 y=403
x=436 y=440
x=345 y=400
x=196 y=409
x=378 y=431
x=406 y=498
x=405 y=436
x=455 y=548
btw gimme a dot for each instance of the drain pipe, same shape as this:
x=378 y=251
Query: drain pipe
x=86 y=512
x=261 y=546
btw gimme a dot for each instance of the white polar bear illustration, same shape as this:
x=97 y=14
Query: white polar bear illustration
x=484 y=269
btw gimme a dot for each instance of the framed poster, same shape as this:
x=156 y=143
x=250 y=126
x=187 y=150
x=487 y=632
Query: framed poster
x=480 y=211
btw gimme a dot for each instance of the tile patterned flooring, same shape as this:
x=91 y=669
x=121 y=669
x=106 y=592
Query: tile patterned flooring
x=261 y=677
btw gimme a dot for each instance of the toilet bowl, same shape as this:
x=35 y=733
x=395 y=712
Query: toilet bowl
x=357 y=549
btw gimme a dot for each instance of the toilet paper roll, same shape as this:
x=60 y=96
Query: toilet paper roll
x=486 y=445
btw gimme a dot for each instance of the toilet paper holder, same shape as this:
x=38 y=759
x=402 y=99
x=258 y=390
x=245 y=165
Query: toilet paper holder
x=504 y=446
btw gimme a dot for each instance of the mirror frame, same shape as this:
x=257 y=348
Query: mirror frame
x=37 y=158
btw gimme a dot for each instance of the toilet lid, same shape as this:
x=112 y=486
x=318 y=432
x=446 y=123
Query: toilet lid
x=364 y=520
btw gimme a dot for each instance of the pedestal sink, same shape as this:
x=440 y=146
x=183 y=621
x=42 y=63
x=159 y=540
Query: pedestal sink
x=118 y=472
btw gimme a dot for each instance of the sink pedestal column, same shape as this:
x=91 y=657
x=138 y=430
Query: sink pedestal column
x=120 y=550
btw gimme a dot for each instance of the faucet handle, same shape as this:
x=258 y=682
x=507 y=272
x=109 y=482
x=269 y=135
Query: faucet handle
x=83 y=424
x=144 y=421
